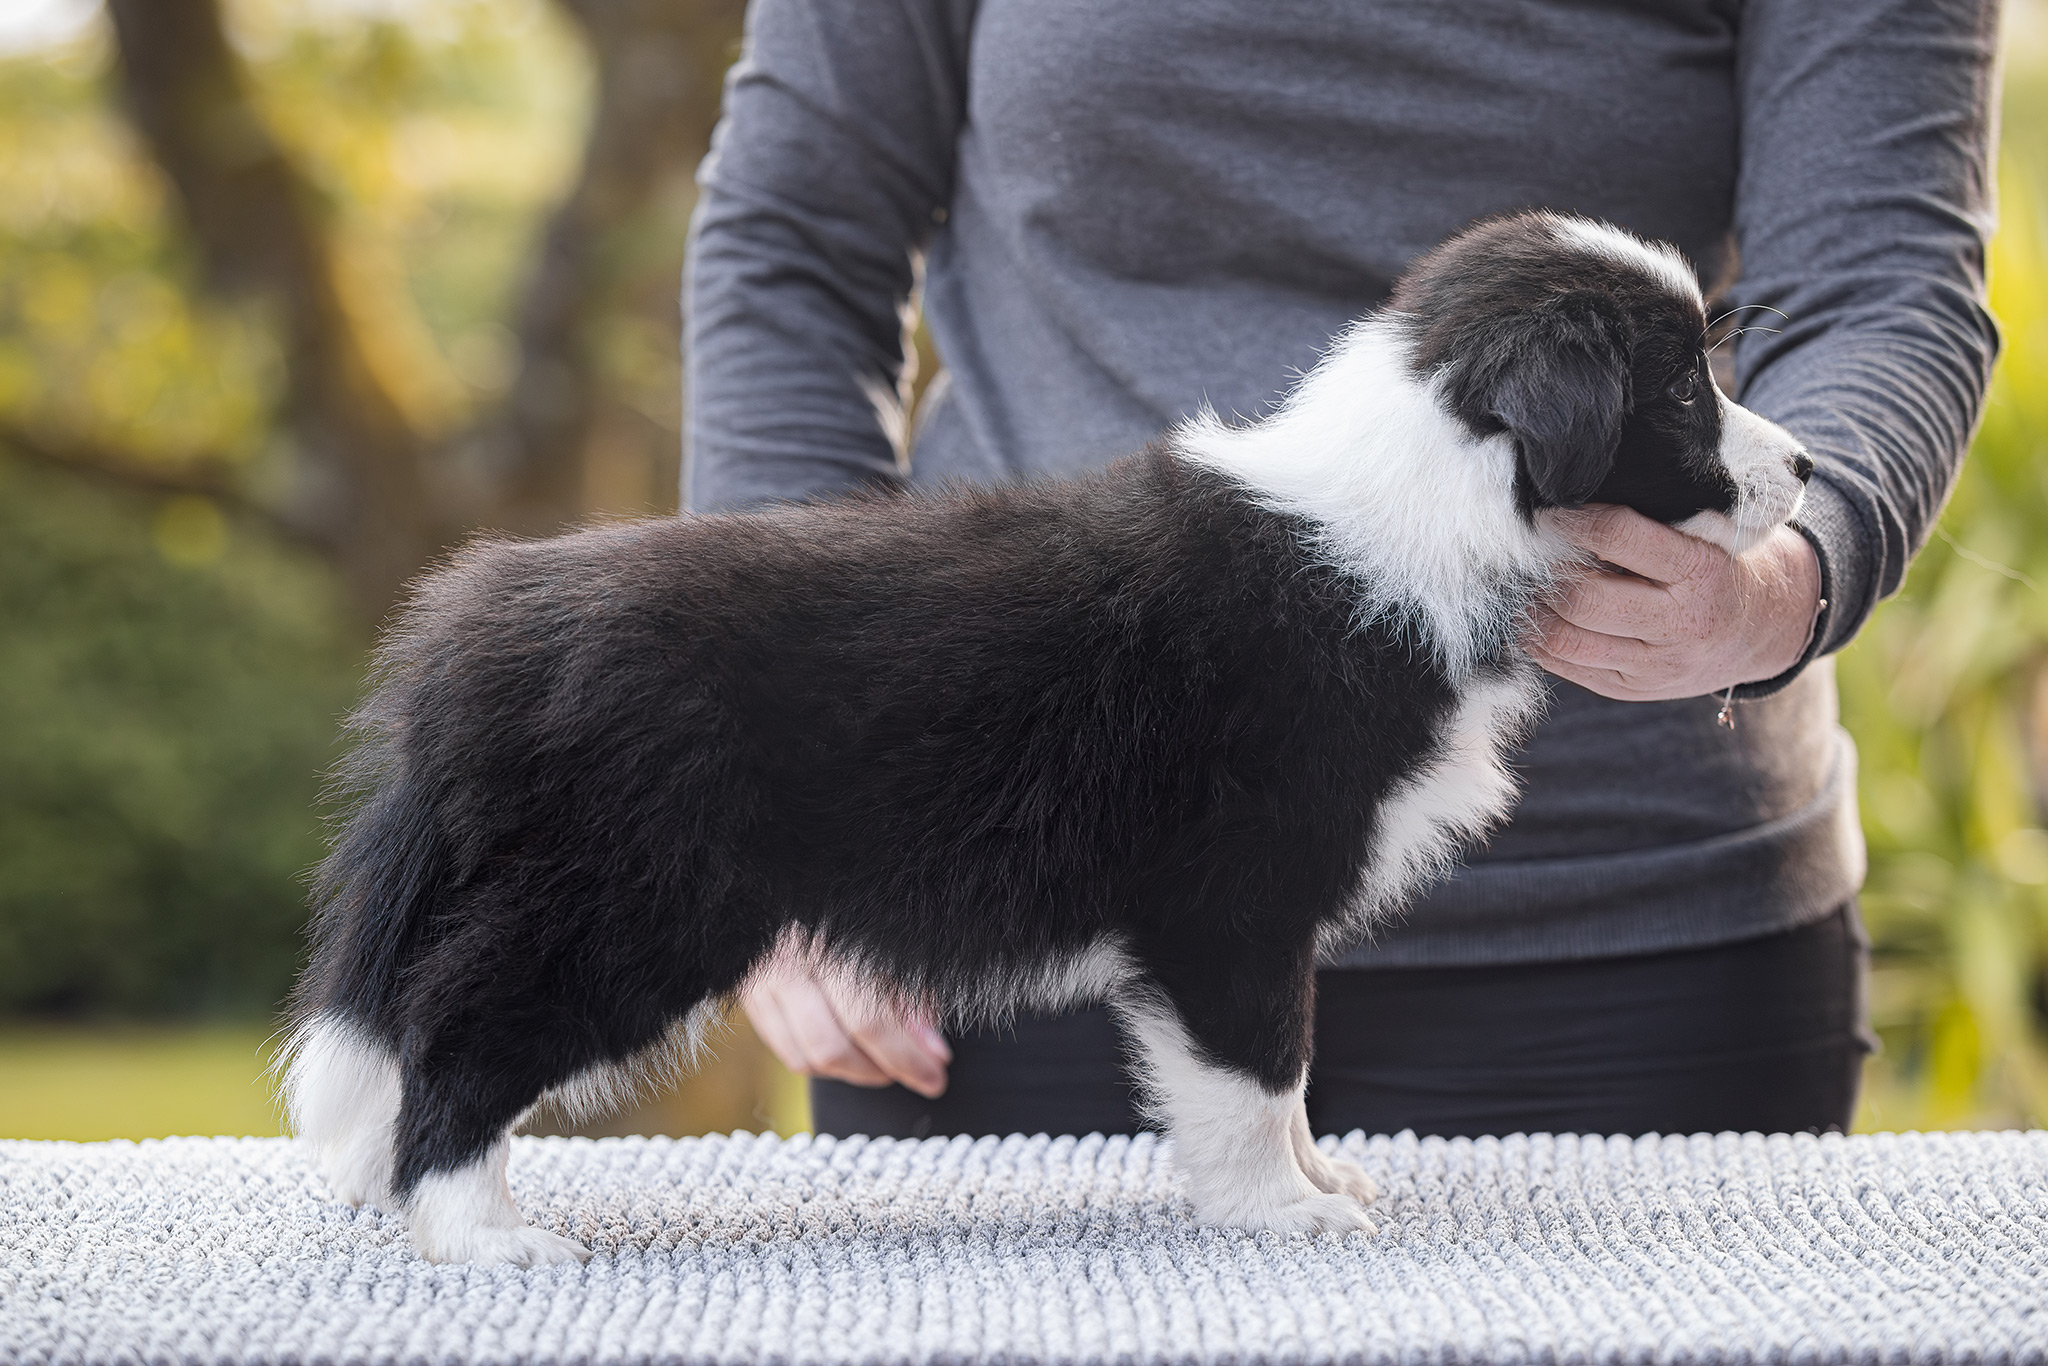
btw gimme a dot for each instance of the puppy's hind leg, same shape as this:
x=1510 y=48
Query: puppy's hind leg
x=463 y=1092
x=341 y=1090
x=465 y=1213
x=1223 y=1052
x=490 y=1030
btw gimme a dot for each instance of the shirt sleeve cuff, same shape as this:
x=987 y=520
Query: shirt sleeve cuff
x=1834 y=528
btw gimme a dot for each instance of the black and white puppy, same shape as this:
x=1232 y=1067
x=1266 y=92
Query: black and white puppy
x=1150 y=736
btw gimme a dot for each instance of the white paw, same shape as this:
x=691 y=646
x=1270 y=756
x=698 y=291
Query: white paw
x=1311 y=1214
x=354 y=1180
x=504 y=1247
x=1340 y=1176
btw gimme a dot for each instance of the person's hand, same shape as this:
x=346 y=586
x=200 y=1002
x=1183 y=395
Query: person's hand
x=1667 y=615
x=822 y=1025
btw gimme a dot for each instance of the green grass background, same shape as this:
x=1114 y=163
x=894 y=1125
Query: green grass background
x=135 y=1082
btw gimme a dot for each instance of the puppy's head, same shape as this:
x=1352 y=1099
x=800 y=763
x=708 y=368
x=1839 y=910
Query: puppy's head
x=1587 y=346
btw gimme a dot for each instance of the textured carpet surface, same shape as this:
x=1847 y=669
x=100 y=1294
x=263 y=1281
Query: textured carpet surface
x=1880 y=1250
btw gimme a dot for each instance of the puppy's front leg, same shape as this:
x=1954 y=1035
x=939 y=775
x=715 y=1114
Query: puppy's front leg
x=1337 y=1175
x=1237 y=1136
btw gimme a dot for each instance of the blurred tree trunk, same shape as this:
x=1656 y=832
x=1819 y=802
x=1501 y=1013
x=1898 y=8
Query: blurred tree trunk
x=259 y=229
x=660 y=67
x=377 y=493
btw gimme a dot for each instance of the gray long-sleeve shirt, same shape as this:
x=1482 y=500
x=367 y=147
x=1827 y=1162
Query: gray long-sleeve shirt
x=1128 y=208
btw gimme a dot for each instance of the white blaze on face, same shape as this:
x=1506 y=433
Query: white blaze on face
x=1759 y=456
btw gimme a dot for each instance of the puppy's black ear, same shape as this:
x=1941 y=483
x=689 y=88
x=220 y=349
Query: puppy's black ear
x=1557 y=378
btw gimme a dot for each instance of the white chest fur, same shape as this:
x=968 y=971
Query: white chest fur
x=1421 y=514
x=1467 y=787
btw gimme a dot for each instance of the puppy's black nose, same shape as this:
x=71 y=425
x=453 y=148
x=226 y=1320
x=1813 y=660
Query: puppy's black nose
x=1802 y=467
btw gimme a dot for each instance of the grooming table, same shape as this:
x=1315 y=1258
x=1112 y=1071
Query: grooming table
x=1885 y=1250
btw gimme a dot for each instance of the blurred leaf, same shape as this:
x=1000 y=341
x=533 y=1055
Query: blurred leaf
x=1946 y=693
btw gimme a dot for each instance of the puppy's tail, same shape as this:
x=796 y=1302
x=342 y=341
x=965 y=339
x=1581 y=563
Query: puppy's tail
x=374 y=902
x=374 y=897
x=393 y=862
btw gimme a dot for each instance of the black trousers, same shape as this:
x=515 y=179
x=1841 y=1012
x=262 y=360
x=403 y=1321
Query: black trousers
x=1764 y=1034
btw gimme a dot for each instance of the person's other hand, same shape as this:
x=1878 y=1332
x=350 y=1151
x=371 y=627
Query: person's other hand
x=821 y=1025
x=1667 y=615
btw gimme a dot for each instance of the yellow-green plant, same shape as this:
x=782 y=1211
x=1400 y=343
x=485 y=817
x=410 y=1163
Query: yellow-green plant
x=1947 y=695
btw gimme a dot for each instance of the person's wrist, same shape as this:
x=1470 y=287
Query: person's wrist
x=1791 y=579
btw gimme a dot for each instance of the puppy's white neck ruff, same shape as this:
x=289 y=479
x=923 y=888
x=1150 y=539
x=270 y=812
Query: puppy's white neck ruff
x=1417 y=511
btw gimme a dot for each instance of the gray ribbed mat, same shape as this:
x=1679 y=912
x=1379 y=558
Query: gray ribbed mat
x=1886 y=1249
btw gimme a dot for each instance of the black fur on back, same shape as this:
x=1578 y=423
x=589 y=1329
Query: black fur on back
x=955 y=738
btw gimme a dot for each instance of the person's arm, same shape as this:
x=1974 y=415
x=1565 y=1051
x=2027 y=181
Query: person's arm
x=1863 y=209
x=1863 y=205
x=830 y=167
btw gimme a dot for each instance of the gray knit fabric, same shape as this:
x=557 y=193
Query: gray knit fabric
x=1886 y=1249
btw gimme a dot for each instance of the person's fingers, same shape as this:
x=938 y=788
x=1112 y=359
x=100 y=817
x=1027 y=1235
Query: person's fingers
x=1616 y=605
x=1624 y=537
x=894 y=1040
x=824 y=1026
x=757 y=999
x=935 y=1041
x=761 y=998
x=1605 y=682
x=1591 y=649
x=901 y=1053
x=822 y=1038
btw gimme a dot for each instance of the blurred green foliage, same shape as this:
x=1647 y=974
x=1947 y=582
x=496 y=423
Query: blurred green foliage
x=171 y=671
x=438 y=143
x=435 y=145
x=98 y=334
x=170 y=686
x=171 y=674
x=1946 y=693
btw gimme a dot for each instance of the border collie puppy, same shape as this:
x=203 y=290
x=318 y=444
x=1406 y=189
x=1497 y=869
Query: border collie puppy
x=1149 y=736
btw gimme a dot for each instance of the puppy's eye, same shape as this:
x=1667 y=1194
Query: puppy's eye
x=1686 y=387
